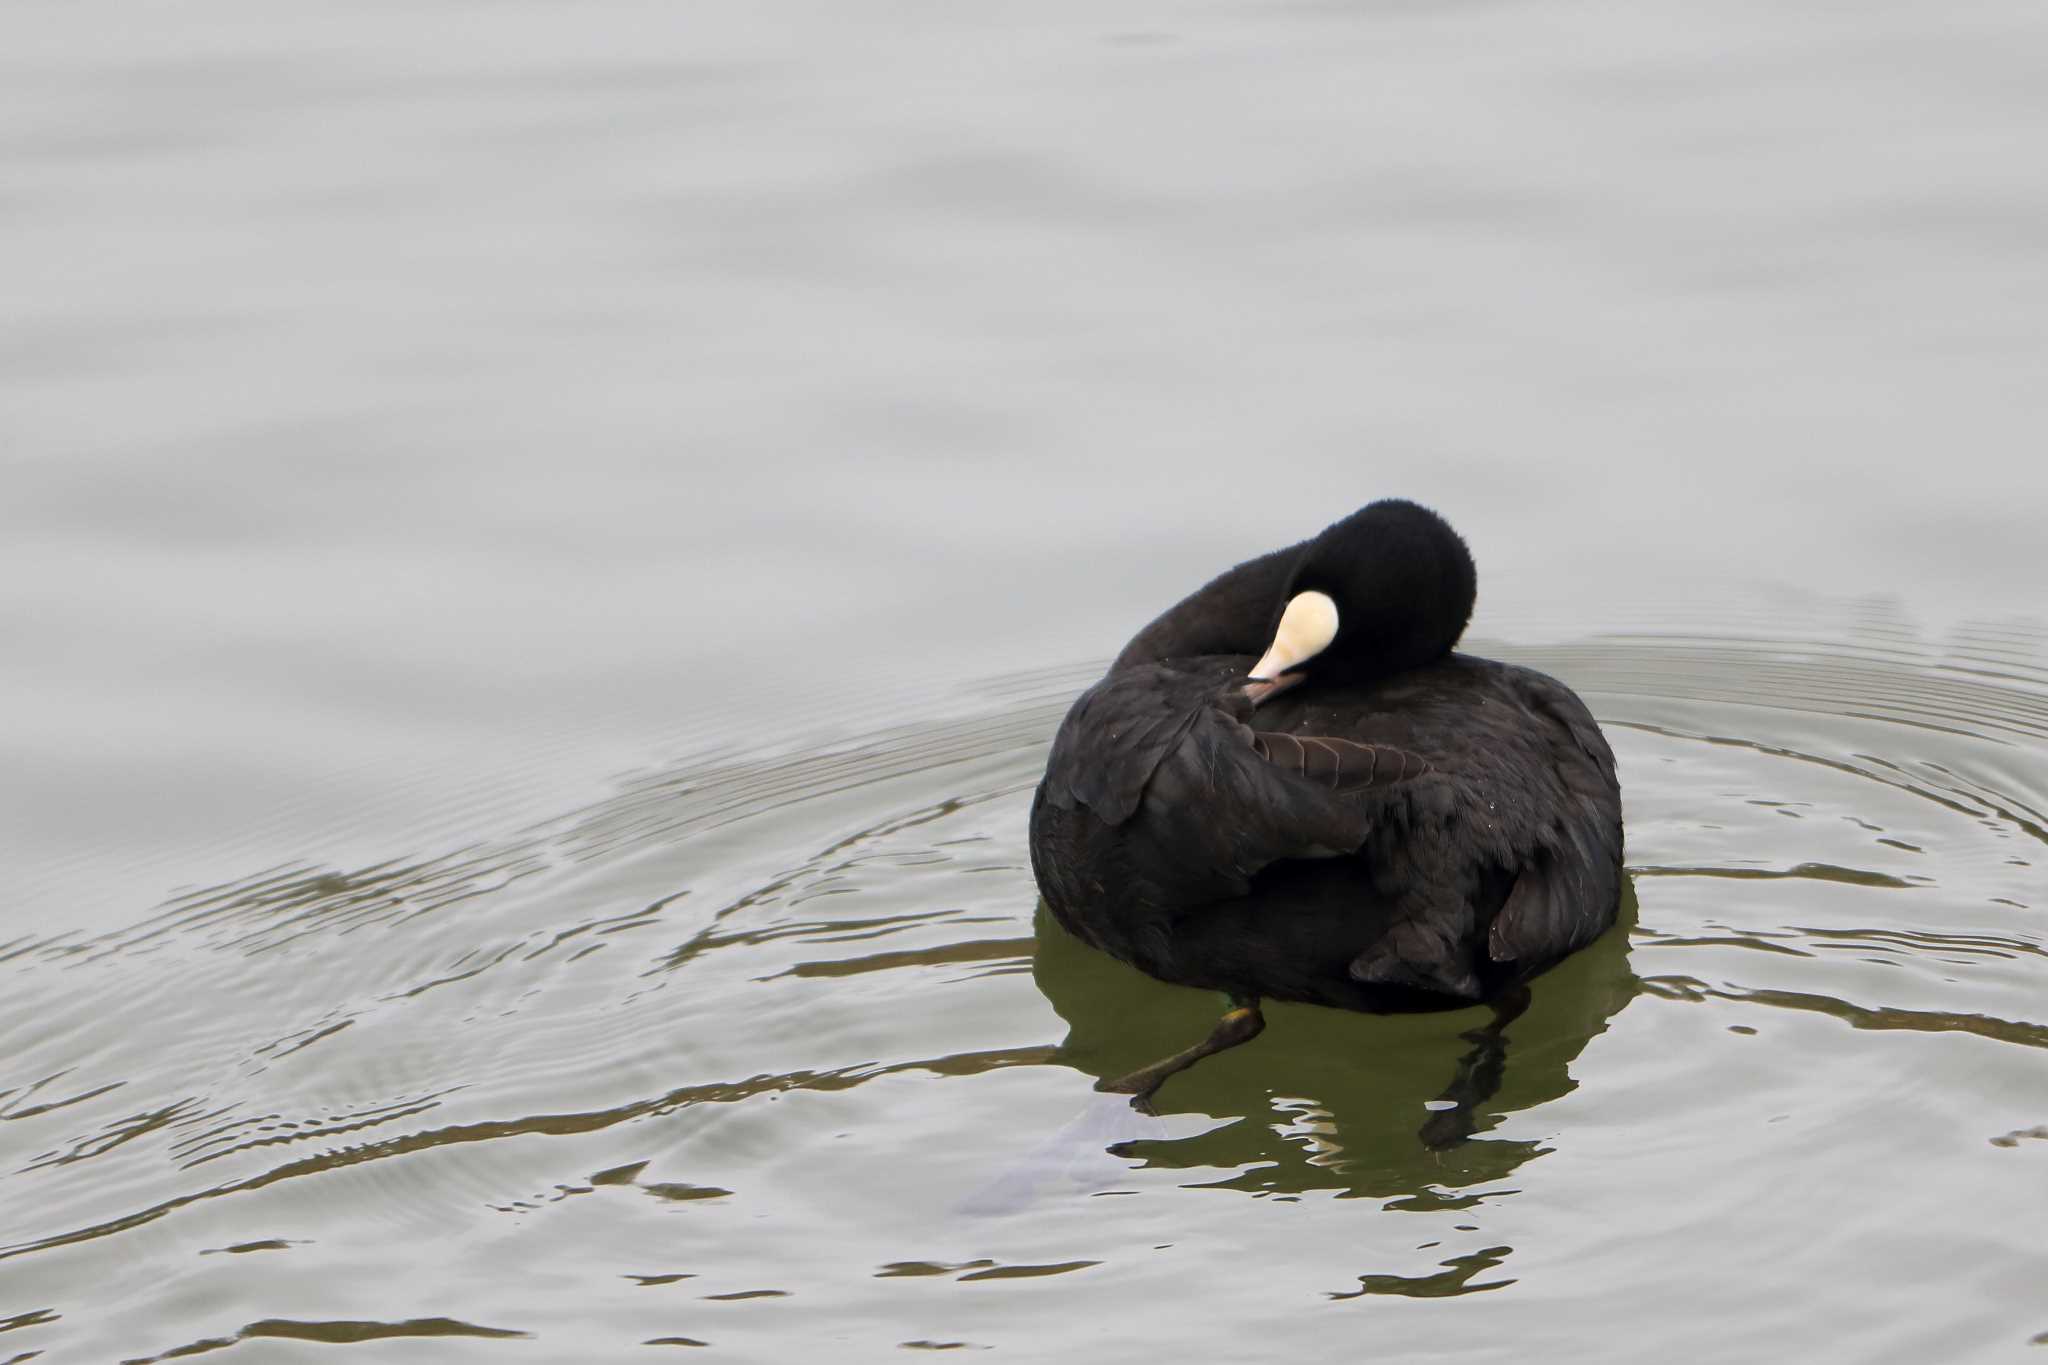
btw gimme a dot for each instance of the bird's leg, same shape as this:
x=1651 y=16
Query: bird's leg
x=1479 y=1074
x=1242 y=1024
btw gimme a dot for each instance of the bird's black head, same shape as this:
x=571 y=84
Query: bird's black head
x=1388 y=588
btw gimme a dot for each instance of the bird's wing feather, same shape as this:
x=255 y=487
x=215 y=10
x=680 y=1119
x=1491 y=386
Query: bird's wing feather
x=1561 y=901
x=1113 y=741
x=1340 y=765
x=1565 y=895
x=1421 y=953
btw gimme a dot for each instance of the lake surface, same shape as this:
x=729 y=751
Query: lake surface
x=542 y=548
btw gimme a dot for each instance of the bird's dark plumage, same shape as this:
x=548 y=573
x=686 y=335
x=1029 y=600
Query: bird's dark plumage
x=1402 y=827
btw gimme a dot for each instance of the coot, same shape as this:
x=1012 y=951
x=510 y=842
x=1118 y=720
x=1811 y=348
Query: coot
x=1289 y=785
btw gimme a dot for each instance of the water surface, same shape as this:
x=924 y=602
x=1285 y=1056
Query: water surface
x=772 y=1047
x=542 y=547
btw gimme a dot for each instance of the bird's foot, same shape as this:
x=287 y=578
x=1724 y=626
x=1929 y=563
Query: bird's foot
x=1240 y=1025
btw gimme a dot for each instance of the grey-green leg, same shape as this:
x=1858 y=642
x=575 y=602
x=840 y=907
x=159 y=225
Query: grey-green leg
x=1242 y=1024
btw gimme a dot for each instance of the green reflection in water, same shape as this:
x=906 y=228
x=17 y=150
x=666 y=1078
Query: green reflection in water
x=1455 y=1278
x=1365 y=1106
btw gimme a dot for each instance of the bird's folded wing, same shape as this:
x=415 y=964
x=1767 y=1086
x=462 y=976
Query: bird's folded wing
x=1561 y=901
x=1422 y=953
x=1338 y=765
x=1116 y=736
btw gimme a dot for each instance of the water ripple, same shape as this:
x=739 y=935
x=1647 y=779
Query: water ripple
x=810 y=983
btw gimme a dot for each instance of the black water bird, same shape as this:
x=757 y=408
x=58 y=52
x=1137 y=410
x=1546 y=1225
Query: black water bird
x=1290 y=786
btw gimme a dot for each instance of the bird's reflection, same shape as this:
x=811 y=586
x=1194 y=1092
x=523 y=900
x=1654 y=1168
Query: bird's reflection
x=1389 y=1107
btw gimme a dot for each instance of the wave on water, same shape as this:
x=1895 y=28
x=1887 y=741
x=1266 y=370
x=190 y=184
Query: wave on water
x=1848 y=829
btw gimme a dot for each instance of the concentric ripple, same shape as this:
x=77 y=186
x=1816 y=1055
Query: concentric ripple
x=770 y=1047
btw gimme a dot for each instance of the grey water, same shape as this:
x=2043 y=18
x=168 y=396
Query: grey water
x=541 y=549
